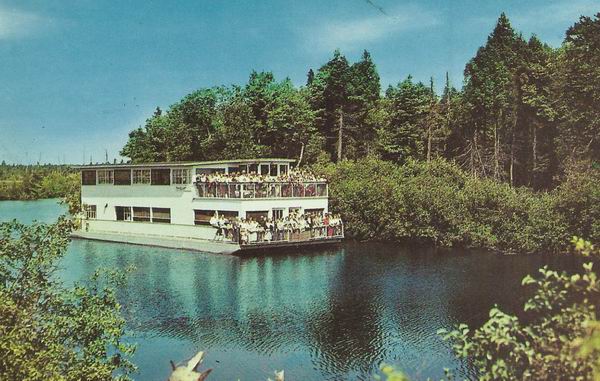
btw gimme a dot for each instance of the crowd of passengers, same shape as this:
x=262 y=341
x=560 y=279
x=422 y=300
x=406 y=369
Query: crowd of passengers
x=292 y=176
x=294 y=227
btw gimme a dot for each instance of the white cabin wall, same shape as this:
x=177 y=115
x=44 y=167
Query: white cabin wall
x=182 y=201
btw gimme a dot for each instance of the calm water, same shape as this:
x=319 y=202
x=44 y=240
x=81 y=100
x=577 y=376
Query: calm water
x=331 y=314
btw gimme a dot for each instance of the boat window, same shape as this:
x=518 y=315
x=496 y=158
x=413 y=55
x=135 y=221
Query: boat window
x=141 y=214
x=283 y=169
x=208 y=171
x=233 y=169
x=277 y=214
x=314 y=211
x=273 y=170
x=257 y=215
x=181 y=176
x=228 y=214
x=295 y=210
x=253 y=168
x=123 y=213
x=88 y=177
x=90 y=211
x=122 y=177
x=160 y=176
x=105 y=176
x=141 y=176
x=264 y=169
x=161 y=215
x=202 y=217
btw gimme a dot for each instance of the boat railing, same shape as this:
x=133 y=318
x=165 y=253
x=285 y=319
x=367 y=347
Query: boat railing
x=235 y=190
x=265 y=237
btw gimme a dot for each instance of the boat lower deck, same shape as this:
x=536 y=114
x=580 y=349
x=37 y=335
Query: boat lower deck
x=282 y=244
x=197 y=244
x=202 y=245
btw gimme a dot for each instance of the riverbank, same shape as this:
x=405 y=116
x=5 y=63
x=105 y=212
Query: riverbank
x=34 y=182
x=437 y=203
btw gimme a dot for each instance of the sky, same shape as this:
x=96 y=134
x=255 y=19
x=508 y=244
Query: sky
x=76 y=76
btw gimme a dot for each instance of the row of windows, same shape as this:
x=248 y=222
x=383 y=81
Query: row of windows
x=143 y=214
x=153 y=176
x=162 y=176
x=262 y=169
x=201 y=217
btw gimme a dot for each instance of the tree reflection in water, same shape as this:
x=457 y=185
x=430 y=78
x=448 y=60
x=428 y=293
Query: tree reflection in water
x=328 y=314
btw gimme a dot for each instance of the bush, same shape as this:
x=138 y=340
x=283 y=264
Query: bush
x=48 y=332
x=438 y=203
x=559 y=339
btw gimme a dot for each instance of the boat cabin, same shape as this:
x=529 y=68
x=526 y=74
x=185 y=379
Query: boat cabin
x=182 y=199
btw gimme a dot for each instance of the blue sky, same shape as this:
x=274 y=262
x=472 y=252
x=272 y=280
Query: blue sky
x=76 y=76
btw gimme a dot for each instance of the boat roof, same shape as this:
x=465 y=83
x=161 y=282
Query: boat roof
x=182 y=163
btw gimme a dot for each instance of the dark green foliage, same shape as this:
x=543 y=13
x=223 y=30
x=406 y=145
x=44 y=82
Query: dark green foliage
x=407 y=106
x=440 y=204
x=30 y=182
x=552 y=343
x=578 y=91
x=49 y=332
x=578 y=202
x=525 y=112
x=329 y=93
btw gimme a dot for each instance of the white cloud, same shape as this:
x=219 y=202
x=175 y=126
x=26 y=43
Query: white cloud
x=557 y=13
x=354 y=34
x=15 y=23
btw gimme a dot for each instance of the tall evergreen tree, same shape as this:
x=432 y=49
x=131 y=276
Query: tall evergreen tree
x=329 y=98
x=258 y=94
x=401 y=137
x=291 y=125
x=535 y=144
x=364 y=90
x=310 y=77
x=578 y=91
x=490 y=93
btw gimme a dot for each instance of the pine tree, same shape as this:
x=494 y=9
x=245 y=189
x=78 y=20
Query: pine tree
x=535 y=143
x=490 y=94
x=401 y=137
x=578 y=92
x=363 y=93
x=329 y=99
x=310 y=77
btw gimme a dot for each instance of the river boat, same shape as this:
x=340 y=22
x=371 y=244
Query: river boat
x=171 y=204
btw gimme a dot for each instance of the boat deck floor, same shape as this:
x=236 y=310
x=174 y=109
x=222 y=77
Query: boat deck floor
x=195 y=244
x=161 y=241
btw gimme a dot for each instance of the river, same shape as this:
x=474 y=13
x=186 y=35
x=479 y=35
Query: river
x=328 y=314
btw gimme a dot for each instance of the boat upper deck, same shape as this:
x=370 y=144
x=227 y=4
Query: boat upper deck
x=246 y=179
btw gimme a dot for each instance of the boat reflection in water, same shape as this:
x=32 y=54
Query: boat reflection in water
x=332 y=314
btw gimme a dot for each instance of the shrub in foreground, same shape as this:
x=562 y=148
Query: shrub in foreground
x=49 y=332
x=558 y=339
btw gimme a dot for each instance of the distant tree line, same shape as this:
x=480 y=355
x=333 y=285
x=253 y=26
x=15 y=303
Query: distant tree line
x=524 y=112
x=30 y=182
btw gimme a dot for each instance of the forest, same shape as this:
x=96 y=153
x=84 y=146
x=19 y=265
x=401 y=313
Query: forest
x=31 y=182
x=525 y=113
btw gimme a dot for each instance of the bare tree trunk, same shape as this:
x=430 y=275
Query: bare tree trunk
x=512 y=162
x=473 y=147
x=534 y=155
x=340 y=135
x=496 y=160
x=429 y=142
x=301 y=154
